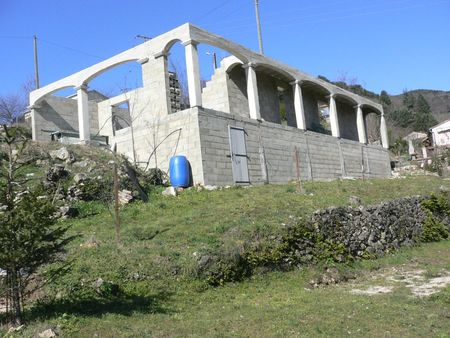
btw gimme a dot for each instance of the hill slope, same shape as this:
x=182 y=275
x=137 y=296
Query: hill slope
x=438 y=100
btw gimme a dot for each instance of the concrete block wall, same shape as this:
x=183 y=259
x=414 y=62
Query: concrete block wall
x=162 y=131
x=347 y=120
x=56 y=113
x=321 y=156
x=311 y=108
x=237 y=91
x=269 y=101
x=215 y=94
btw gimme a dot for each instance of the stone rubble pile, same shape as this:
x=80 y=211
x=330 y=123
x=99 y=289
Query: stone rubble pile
x=374 y=229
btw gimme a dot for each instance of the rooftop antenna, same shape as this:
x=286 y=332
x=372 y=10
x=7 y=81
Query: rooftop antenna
x=258 y=24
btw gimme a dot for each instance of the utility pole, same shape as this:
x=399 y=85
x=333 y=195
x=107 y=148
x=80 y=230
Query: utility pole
x=214 y=58
x=258 y=24
x=36 y=66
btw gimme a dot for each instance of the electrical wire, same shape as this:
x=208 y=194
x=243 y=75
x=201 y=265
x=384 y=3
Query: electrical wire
x=210 y=11
x=301 y=21
x=70 y=48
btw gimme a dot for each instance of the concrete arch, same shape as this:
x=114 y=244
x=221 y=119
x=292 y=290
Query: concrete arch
x=316 y=86
x=346 y=98
x=274 y=71
x=36 y=100
x=100 y=71
x=230 y=62
x=372 y=108
x=168 y=46
x=208 y=41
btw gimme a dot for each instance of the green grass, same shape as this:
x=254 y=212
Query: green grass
x=160 y=297
x=278 y=305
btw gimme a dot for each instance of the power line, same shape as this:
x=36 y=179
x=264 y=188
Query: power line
x=210 y=11
x=70 y=48
x=328 y=17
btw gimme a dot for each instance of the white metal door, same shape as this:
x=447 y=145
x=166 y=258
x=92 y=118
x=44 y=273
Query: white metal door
x=238 y=155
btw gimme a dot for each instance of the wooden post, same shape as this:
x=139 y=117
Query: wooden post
x=297 y=163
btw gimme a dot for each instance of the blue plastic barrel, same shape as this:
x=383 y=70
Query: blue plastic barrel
x=179 y=171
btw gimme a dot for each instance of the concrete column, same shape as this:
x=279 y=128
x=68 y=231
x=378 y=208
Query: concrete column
x=334 y=122
x=83 y=114
x=360 y=125
x=193 y=73
x=156 y=83
x=252 y=92
x=383 y=132
x=298 y=105
x=33 y=122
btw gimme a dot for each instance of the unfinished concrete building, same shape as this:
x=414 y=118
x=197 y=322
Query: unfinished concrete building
x=257 y=120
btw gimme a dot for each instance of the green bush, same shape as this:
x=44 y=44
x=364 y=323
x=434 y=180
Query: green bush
x=435 y=227
x=433 y=230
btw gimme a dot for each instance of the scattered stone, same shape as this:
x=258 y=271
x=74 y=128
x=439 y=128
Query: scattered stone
x=169 y=191
x=105 y=288
x=81 y=164
x=125 y=196
x=444 y=189
x=74 y=193
x=62 y=154
x=179 y=190
x=13 y=329
x=66 y=211
x=210 y=187
x=80 y=178
x=49 y=333
x=56 y=173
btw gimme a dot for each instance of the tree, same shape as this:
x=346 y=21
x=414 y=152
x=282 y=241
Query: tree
x=385 y=99
x=13 y=106
x=409 y=100
x=422 y=106
x=29 y=234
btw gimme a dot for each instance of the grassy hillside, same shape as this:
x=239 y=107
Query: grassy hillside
x=151 y=287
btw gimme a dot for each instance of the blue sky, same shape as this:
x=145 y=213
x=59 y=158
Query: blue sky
x=381 y=44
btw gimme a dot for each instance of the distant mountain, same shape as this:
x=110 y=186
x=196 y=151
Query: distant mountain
x=438 y=100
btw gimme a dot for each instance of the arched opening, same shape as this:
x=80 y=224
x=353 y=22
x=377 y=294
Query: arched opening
x=316 y=104
x=372 y=125
x=177 y=75
x=114 y=98
x=116 y=80
x=276 y=98
x=346 y=112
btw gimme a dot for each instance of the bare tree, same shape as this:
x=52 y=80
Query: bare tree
x=13 y=106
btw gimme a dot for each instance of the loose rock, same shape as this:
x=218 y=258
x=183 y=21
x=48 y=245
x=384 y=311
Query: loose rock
x=169 y=191
x=62 y=154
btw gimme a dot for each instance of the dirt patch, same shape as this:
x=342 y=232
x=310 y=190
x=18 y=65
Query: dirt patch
x=414 y=279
